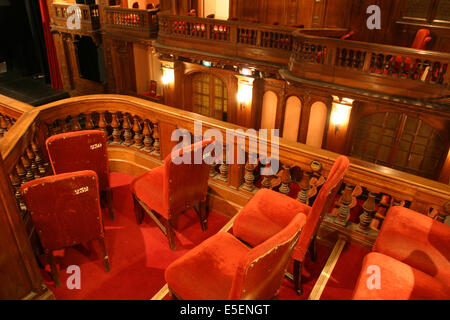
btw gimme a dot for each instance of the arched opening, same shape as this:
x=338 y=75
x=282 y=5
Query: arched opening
x=292 y=116
x=209 y=96
x=317 y=123
x=269 y=110
x=400 y=142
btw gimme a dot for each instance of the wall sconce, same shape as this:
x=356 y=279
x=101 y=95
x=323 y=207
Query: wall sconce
x=245 y=91
x=341 y=111
x=168 y=73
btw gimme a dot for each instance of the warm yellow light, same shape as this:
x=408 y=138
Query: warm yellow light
x=245 y=93
x=168 y=76
x=340 y=114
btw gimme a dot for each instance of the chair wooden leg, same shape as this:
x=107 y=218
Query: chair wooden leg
x=105 y=254
x=109 y=201
x=138 y=211
x=171 y=236
x=313 y=249
x=203 y=213
x=54 y=270
x=298 y=277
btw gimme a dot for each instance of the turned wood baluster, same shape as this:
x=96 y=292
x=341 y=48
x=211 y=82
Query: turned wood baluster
x=38 y=158
x=89 y=122
x=138 y=143
x=57 y=129
x=27 y=165
x=21 y=172
x=9 y=123
x=33 y=166
x=76 y=124
x=127 y=135
x=285 y=180
x=249 y=177
x=212 y=170
x=344 y=209
x=147 y=132
x=17 y=183
x=115 y=124
x=304 y=187
x=103 y=124
x=2 y=126
x=369 y=212
x=66 y=127
x=266 y=183
x=223 y=172
x=156 y=146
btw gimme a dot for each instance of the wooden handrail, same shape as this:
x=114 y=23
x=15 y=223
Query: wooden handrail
x=141 y=23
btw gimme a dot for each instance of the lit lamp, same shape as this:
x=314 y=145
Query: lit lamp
x=245 y=90
x=341 y=111
x=168 y=73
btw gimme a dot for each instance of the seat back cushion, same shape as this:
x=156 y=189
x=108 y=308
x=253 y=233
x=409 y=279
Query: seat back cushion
x=81 y=150
x=184 y=184
x=421 y=40
x=261 y=271
x=65 y=208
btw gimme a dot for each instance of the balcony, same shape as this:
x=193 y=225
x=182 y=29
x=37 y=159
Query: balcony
x=139 y=133
x=387 y=69
x=317 y=56
x=88 y=15
x=131 y=22
x=250 y=41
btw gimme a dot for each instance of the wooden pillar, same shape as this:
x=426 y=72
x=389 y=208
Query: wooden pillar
x=20 y=276
x=305 y=115
x=444 y=177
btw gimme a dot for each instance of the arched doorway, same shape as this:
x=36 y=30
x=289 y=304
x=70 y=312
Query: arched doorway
x=209 y=96
x=292 y=118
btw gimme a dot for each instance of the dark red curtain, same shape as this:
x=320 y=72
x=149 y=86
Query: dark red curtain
x=53 y=65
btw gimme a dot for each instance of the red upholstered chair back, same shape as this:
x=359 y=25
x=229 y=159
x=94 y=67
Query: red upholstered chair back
x=422 y=39
x=81 y=150
x=187 y=183
x=322 y=203
x=261 y=271
x=65 y=209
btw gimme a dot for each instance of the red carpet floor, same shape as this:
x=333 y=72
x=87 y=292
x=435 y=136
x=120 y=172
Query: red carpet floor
x=140 y=254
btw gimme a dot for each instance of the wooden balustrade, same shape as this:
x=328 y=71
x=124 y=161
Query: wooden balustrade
x=132 y=22
x=87 y=13
x=139 y=137
x=393 y=70
x=244 y=39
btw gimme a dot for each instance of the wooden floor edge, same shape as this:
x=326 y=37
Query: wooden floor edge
x=161 y=293
x=317 y=291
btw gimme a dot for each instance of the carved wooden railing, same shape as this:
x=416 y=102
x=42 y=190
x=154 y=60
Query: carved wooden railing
x=139 y=134
x=88 y=15
x=133 y=22
x=392 y=70
x=10 y=111
x=236 y=38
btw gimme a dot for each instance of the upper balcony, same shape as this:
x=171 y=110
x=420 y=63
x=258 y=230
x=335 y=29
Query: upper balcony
x=391 y=70
x=315 y=55
x=132 y=22
x=251 y=41
x=88 y=15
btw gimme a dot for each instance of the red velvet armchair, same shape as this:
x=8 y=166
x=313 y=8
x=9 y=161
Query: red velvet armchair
x=171 y=189
x=82 y=150
x=223 y=268
x=65 y=210
x=412 y=253
x=269 y=211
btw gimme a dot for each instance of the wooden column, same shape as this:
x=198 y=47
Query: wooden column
x=20 y=276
